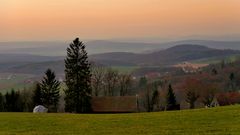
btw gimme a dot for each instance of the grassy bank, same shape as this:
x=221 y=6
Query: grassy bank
x=222 y=120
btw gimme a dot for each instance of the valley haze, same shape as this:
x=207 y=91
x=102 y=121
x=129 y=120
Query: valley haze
x=58 y=48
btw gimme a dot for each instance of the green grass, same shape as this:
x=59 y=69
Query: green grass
x=216 y=121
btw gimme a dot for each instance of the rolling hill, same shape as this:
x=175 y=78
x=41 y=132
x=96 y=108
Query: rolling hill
x=22 y=58
x=173 y=55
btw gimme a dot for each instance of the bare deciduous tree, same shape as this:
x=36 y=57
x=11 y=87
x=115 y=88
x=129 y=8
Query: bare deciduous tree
x=191 y=97
x=208 y=94
x=98 y=73
x=192 y=90
x=125 y=82
x=110 y=81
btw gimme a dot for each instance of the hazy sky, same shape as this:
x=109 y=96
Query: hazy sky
x=106 y=19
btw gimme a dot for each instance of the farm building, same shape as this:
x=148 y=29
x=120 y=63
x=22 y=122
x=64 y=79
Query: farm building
x=126 y=104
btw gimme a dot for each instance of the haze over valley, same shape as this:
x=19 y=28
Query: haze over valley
x=58 y=48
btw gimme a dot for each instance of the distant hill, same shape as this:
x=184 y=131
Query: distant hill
x=235 y=45
x=22 y=58
x=36 y=68
x=58 y=48
x=173 y=55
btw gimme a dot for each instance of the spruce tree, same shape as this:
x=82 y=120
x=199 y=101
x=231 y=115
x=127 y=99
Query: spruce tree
x=232 y=80
x=13 y=101
x=37 y=95
x=16 y=104
x=50 y=88
x=7 y=102
x=155 y=99
x=78 y=79
x=171 y=98
x=1 y=103
x=143 y=82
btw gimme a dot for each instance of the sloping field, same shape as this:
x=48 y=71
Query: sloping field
x=222 y=121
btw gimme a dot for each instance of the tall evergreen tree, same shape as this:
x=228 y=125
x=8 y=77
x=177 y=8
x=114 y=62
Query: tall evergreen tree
x=37 y=95
x=7 y=102
x=13 y=102
x=50 y=88
x=171 y=98
x=78 y=79
x=232 y=81
x=155 y=99
x=143 y=82
x=1 y=103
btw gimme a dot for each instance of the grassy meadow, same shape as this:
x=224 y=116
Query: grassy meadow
x=215 y=121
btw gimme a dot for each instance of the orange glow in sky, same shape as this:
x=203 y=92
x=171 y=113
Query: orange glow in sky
x=96 y=19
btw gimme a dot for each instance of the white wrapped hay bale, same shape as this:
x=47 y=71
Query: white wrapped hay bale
x=40 y=109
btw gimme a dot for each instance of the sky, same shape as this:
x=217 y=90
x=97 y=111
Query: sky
x=29 y=20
